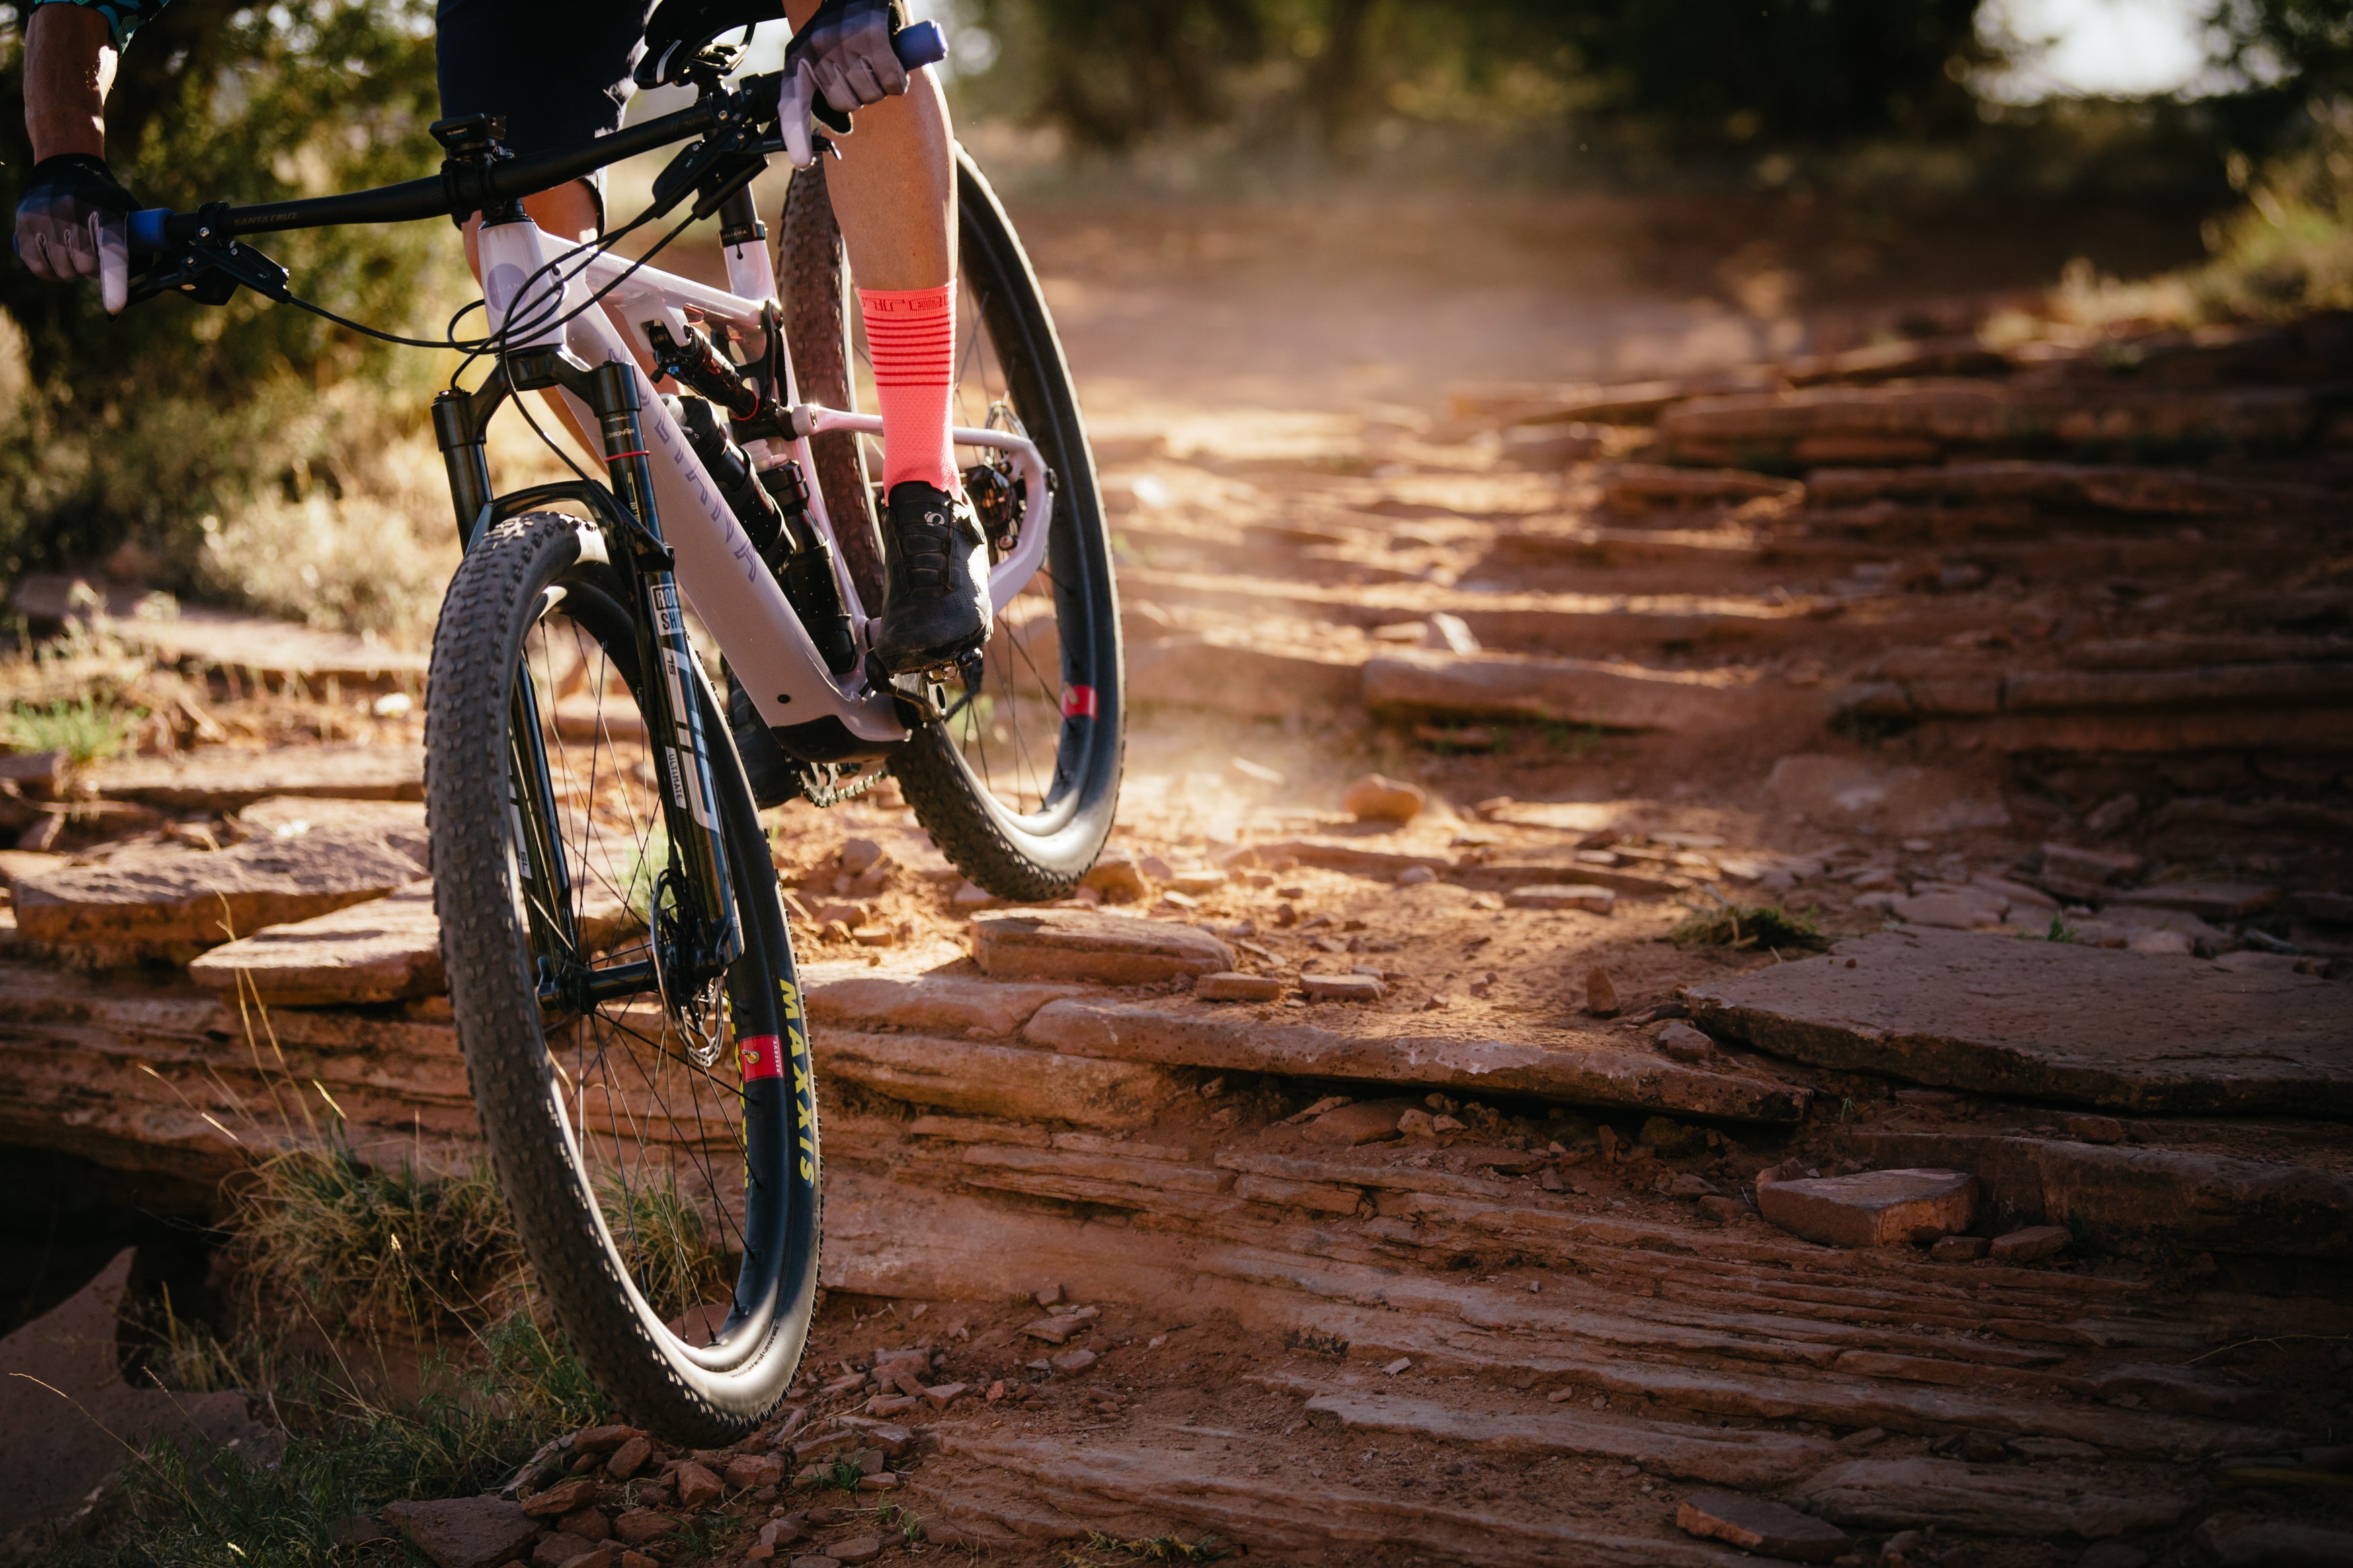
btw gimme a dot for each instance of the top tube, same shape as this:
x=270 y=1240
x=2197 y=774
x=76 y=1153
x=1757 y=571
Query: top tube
x=437 y=195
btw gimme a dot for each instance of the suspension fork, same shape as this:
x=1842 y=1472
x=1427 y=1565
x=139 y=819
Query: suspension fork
x=671 y=676
x=460 y=423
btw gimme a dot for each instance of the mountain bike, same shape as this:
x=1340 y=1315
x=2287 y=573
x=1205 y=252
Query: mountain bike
x=620 y=968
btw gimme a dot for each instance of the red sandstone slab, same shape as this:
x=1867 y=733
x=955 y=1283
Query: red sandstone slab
x=2049 y=1021
x=228 y=779
x=1084 y=945
x=173 y=903
x=1573 y=1071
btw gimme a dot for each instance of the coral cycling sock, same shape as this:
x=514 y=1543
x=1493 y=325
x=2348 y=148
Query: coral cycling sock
x=910 y=334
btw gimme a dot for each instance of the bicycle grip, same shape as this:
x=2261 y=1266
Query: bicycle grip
x=920 y=43
x=147 y=228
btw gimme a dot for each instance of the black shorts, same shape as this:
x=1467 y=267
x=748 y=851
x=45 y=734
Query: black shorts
x=558 y=72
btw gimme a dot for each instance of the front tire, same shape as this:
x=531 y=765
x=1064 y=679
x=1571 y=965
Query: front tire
x=660 y=1161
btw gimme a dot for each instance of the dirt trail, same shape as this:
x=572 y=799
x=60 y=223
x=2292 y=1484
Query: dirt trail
x=2022 y=673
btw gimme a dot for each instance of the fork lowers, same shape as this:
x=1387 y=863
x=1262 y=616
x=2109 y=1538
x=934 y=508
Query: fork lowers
x=773 y=508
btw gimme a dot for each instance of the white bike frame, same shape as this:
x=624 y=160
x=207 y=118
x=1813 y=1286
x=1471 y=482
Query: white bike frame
x=723 y=577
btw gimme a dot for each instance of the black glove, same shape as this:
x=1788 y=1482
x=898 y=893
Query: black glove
x=844 y=56
x=73 y=221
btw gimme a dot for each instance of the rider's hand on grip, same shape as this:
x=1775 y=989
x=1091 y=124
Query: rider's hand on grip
x=73 y=222
x=843 y=58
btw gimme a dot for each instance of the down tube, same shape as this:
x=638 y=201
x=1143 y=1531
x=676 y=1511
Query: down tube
x=724 y=578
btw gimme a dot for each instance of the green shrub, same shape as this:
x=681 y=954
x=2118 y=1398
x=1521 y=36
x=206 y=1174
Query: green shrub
x=142 y=425
x=348 y=1452
x=81 y=729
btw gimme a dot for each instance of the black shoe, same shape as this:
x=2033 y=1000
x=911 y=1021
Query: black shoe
x=935 y=605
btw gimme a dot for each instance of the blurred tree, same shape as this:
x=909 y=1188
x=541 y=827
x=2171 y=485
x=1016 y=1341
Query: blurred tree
x=1683 y=74
x=2300 y=49
x=1112 y=70
x=144 y=422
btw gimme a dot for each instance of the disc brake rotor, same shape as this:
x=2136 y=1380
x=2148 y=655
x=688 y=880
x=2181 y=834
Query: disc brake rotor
x=698 y=1009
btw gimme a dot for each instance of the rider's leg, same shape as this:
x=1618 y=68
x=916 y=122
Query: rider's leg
x=578 y=80
x=893 y=193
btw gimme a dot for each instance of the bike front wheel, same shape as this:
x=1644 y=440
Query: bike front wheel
x=657 y=1147
x=1018 y=783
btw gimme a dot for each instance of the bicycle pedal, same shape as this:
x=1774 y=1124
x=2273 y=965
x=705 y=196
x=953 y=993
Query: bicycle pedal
x=921 y=694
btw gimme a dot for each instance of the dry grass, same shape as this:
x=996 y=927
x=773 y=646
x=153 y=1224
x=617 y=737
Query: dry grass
x=2287 y=253
x=347 y=1450
x=368 y=542
x=371 y=1248
x=673 y=1248
x=1744 y=926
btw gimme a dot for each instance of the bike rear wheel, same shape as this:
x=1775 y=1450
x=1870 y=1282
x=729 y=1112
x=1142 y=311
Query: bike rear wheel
x=1018 y=785
x=658 y=1150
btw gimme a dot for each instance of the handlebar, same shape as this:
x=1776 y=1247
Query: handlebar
x=155 y=228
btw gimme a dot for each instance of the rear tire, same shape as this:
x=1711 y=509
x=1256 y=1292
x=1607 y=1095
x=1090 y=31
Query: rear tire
x=1018 y=788
x=638 y=1150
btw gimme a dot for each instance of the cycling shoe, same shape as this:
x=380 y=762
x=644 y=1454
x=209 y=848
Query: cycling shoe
x=935 y=605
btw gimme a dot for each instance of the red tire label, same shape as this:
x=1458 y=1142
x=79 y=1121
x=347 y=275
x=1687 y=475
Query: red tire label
x=1078 y=702
x=760 y=1056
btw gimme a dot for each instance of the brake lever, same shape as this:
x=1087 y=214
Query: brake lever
x=211 y=268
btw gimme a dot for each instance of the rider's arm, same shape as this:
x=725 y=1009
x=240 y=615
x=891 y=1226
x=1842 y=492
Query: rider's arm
x=71 y=217
x=69 y=66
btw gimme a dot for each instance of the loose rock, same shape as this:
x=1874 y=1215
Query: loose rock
x=1378 y=798
x=1872 y=1208
x=1684 y=1043
x=1230 y=986
x=629 y=1458
x=641 y=1526
x=2031 y=1245
x=1755 y=1524
x=746 y=1471
x=1958 y=1248
x=1342 y=988
x=1117 y=876
x=603 y=1439
x=555 y=1550
x=587 y=1523
x=560 y=1498
x=1366 y=1121
x=1563 y=896
x=464 y=1532
x=1600 y=994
